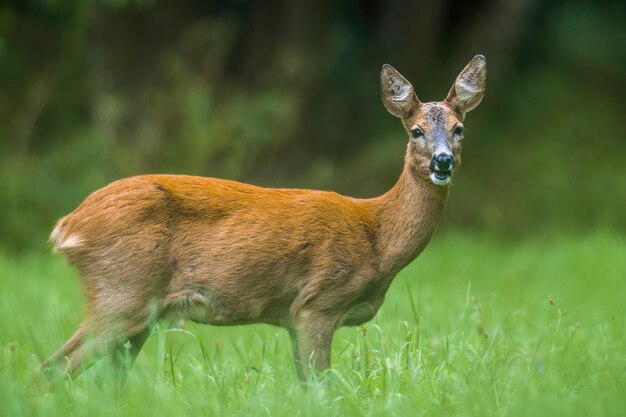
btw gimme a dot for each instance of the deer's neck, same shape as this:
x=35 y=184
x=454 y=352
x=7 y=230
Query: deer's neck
x=406 y=218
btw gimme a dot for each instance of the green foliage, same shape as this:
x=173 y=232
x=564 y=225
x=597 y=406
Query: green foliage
x=288 y=96
x=473 y=327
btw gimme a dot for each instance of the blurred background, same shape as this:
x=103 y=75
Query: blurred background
x=285 y=93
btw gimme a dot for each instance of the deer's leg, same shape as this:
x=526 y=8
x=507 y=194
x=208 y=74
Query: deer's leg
x=69 y=358
x=114 y=333
x=122 y=341
x=121 y=335
x=300 y=368
x=125 y=352
x=70 y=347
x=314 y=333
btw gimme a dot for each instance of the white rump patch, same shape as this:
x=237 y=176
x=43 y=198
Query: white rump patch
x=55 y=236
x=71 y=242
x=61 y=243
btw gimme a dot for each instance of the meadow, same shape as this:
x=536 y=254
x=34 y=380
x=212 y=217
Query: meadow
x=474 y=327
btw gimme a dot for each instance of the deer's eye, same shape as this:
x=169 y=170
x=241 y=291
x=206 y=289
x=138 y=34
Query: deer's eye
x=458 y=131
x=416 y=133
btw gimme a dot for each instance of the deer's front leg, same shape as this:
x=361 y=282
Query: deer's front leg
x=314 y=336
x=296 y=355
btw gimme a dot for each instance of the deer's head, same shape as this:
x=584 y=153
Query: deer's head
x=435 y=129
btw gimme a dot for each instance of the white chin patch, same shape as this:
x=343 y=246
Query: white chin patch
x=439 y=181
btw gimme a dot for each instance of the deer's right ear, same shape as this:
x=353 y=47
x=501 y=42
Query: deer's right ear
x=397 y=93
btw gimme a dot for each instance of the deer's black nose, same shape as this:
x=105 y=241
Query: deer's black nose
x=442 y=162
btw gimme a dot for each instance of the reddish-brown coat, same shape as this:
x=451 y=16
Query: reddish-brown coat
x=222 y=252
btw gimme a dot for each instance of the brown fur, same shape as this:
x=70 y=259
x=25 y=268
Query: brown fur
x=222 y=252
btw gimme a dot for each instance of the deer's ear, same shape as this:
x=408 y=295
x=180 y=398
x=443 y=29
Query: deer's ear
x=469 y=87
x=397 y=93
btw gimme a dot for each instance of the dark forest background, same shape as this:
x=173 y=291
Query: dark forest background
x=285 y=93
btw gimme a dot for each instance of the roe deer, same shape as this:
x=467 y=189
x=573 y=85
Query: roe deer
x=221 y=252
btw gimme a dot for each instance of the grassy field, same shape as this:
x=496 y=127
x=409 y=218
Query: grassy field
x=474 y=327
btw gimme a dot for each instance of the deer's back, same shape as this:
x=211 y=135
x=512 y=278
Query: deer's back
x=256 y=249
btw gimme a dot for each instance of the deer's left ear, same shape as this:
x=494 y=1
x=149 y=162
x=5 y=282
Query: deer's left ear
x=469 y=87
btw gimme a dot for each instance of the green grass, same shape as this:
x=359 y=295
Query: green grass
x=474 y=327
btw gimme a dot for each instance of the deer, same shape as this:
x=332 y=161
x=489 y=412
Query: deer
x=221 y=252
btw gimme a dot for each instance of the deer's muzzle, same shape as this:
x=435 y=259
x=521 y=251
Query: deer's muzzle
x=441 y=166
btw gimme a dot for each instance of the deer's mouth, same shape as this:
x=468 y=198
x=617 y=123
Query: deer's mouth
x=439 y=177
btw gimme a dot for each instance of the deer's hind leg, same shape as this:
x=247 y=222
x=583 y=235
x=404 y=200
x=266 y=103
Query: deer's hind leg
x=117 y=329
x=119 y=335
x=123 y=276
x=67 y=354
x=125 y=352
